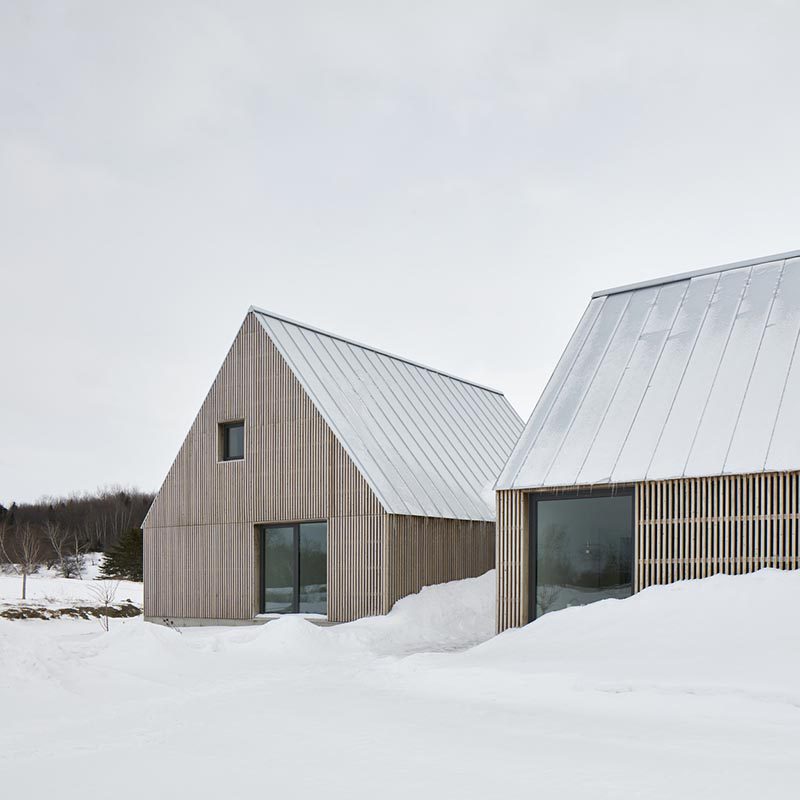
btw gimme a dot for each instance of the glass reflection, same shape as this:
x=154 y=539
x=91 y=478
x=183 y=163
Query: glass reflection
x=583 y=550
x=313 y=589
x=279 y=570
x=295 y=568
x=234 y=442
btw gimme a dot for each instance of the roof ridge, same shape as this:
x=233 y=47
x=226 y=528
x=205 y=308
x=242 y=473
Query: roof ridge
x=682 y=276
x=314 y=329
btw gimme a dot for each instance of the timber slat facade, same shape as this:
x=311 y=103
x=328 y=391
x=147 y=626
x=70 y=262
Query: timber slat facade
x=733 y=524
x=201 y=548
x=681 y=392
x=684 y=529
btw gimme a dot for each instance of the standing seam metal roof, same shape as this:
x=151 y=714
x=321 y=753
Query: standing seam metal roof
x=427 y=443
x=691 y=375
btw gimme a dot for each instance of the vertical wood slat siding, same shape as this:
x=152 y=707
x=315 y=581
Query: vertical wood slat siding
x=685 y=528
x=735 y=524
x=201 y=555
x=201 y=558
x=420 y=551
x=511 y=542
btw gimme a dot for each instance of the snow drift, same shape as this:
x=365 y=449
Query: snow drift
x=720 y=634
x=691 y=685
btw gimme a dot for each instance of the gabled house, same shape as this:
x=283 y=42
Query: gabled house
x=665 y=446
x=323 y=477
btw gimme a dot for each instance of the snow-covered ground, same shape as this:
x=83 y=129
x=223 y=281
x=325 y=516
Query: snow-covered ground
x=46 y=588
x=686 y=691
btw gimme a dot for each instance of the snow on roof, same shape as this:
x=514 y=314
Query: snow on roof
x=691 y=375
x=427 y=443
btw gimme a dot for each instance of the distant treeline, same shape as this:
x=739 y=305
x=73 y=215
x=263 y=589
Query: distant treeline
x=57 y=528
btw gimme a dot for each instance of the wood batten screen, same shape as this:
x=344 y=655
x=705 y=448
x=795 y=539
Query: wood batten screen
x=685 y=528
x=696 y=527
x=512 y=559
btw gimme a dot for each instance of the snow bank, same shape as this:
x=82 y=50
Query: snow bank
x=716 y=635
x=447 y=616
x=690 y=686
x=444 y=617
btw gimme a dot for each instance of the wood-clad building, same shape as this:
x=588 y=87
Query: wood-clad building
x=323 y=477
x=666 y=445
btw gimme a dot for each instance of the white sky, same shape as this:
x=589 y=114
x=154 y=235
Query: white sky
x=447 y=181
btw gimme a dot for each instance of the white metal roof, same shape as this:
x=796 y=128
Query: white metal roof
x=696 y=374
x=428 y=443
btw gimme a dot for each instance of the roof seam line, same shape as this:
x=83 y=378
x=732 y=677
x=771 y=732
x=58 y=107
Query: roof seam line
x=618 y=384
x=783 y=395
x=319 y=406
x=355 y=343
x=650 y=377
x=588 y=389
x=753 y=367
x=716 y=371
x=512 y=479
x=683 y=375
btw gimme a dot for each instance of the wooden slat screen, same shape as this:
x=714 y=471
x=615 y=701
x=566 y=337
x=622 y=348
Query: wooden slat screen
x=512 y=559
x=696 y=527
x=685 y=528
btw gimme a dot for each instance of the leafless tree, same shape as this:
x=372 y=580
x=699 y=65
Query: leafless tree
x=58 y=537
x=4 y=556
x=104 y=592
x=76 y=561
x=29 y=548
x=547 y=596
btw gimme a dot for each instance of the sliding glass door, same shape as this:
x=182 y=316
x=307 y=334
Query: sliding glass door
x=294 y=566
x=581 y=549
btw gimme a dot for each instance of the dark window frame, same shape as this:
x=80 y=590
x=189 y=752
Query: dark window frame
x=224 y=430
x=262 y=533
x=533 y=541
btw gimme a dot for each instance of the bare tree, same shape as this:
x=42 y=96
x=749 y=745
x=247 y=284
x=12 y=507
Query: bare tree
x=4 y=556
x=29 y=547
x=58 y=538
x=76 y=561
x=104 y=592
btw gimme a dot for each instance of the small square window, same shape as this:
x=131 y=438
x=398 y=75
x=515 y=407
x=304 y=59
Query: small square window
x=232 y=441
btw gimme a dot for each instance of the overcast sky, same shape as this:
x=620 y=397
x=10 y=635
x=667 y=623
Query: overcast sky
x=447 y=181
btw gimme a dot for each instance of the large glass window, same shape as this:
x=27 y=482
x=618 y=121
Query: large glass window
x=313 y=569
x=279 y=563
x=581 y=550
x=295 y=568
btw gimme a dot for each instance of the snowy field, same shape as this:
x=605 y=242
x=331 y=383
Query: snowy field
x=686 y=691
x=45 y=588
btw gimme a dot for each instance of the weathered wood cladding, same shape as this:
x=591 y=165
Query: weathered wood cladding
x=701 y=526
x=512 y=543
x=685 y=528
x=286 y=447
x=202 y=571
x=355 y=567
x=201 y=547
x=201 y=556
x=420 y=551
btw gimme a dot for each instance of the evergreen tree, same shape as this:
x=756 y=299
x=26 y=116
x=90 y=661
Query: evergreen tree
x=124 y=559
